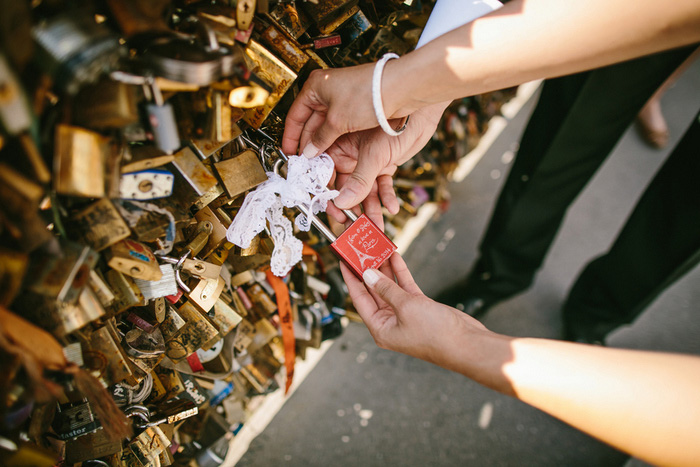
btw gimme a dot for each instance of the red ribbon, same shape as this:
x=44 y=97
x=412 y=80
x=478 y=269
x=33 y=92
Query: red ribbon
x=284 y=310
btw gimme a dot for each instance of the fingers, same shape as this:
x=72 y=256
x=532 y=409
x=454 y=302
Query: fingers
x=360 y=182
x=386 y=289
x=312 y=124
x=323 y=136
x=403 y=275
x=385 y=188
x=363 y=301
x=300 y=111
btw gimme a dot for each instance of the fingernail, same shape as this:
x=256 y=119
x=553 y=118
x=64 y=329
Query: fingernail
x=310 y=151
x=343 y=199
x=370 y=277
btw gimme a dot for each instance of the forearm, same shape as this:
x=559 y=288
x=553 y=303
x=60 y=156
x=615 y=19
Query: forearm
x=644 y=403
x=533 y=39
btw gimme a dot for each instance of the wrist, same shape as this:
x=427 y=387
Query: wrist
x=477 y=353
x=402 y=86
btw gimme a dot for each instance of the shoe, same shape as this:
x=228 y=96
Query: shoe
x=458 y=296
x=582 y=338
x=652 y=125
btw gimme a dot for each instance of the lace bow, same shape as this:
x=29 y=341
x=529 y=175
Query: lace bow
x=305 y=177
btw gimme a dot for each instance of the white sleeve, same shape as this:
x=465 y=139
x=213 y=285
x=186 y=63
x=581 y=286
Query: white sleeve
x=451 y=14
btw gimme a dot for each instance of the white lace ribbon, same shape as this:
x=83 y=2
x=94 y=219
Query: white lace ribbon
x=305 y=177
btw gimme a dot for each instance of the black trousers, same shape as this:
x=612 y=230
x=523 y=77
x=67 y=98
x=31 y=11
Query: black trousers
x=574 y=127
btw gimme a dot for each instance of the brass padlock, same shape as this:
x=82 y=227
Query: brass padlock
x=138 y=158
x=126 y=293
x=100 y=225
x=108 y=104
x=245 y=10
x=330 y=14
x=217 y=237
x=245 y=332
x=197 y=333
x=134 y=259
x=79 y=162
x=225 y=318
x=292 y=20
x=76 y=316
x=196 y=174
x=206 y=293
x=91 y=446
x=105 y=358
x=171 y=381
x=274 y=72
x=285 y=48
x=172 y=323
x=101 y=290
x=241 y=173
x=262 y=299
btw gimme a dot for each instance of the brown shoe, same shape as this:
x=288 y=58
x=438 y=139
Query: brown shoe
x=652 y=124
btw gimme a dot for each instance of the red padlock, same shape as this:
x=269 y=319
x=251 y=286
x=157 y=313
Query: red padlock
x=361 y=246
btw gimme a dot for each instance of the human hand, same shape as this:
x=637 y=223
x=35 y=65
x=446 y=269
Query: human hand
x=331 y=103
x=365 y=160
x=401 y=318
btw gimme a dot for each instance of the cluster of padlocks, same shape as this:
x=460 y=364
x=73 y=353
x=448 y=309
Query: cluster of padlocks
x=131 y=132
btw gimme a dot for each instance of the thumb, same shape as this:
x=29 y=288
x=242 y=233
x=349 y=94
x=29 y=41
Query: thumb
x=359 y=184
x=323 y=138
x=388 y=290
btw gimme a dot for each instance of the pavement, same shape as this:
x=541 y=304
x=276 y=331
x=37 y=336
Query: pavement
x=362 y=405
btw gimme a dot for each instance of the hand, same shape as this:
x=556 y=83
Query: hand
x=401 y=318
x=331 y=103
x=365 y=160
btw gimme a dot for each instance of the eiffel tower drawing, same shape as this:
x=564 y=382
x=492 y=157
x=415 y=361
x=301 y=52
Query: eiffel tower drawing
x=363 y=257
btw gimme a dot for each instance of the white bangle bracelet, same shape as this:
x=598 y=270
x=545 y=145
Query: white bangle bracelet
x=377 y=97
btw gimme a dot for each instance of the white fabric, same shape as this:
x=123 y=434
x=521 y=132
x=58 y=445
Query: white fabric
x=305 y=177
x=451 y=14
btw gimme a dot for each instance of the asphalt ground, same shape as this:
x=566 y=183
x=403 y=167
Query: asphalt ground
x=362 y=405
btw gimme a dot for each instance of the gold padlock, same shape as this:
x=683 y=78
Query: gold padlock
x=91 y=446
x=293 y=21
x=225 y=317
x=330 y=14
x=285 y=48
x=126 y=292
x=217 y=237
x=79 y=160
x=105 y=359
x=245 y=332
x=274 y=72
x=206 y=293
x=134 y=259
x=197 y=175
x=172 y=324
x=101 y=225
x=197 y=333
x=258 y=295
x=76 y=316
x=108 y=104
x=140 y=158
x=241 y=173
x=171 y=381
x=245 y=10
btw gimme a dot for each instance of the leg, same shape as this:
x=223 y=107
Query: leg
x=577 y=122
x=659 y=243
